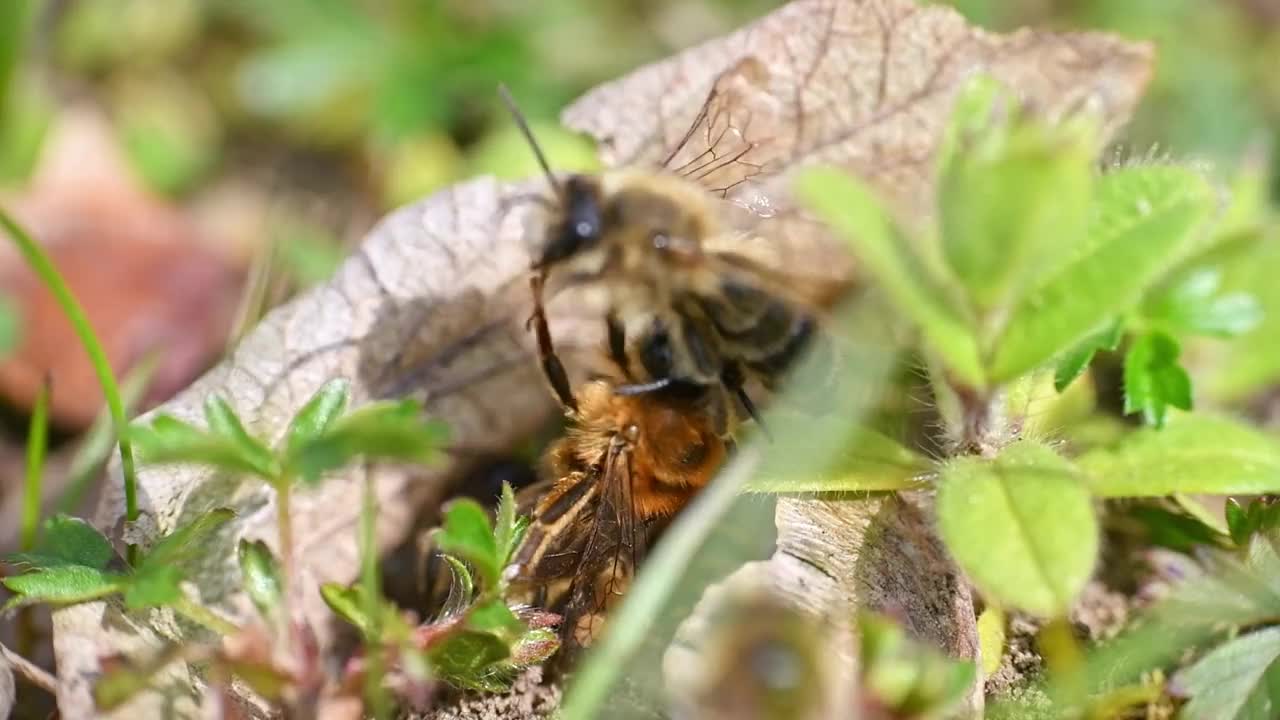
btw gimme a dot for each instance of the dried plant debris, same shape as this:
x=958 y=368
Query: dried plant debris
x=431 y=305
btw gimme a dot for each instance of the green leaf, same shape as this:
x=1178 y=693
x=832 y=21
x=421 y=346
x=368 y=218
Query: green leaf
x=169 y=440
x=224 y=422
x=495 y=617
x=1238 y=681
x=466 y=659
x=62 y=585
x=466 y=534
x=181 y=546
x=318 y=414
x=849 y=207
x=261 y=576
x=991 y=639
x=1143 y=219
x=1074 y=362
x=379 y=431
x=154 y=586
x=75 y=541
x=534 y=647
x=909 y=678
x=504 y=525
x=1010 y=190
x=1153 y=379
x=1195 y=453
x=1190 y=306
x=461 y=589
x=1172 y=529
x=1021 y=525
x=347 y=602
x=1240 y=523
x=868 y=462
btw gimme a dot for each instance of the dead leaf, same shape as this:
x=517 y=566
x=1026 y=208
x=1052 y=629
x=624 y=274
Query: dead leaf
x=8 y=695
x=133 y=263
x=433 y=303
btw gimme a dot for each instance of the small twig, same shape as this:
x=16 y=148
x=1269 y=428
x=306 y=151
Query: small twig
x=34 y=674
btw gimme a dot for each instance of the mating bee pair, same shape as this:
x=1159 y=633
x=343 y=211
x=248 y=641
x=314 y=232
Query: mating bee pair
x=689 y=325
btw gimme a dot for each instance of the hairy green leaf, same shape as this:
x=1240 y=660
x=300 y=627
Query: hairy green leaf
x=465 y=533
x=73 y=540
x=326 y=406
x=1153 y=379
x=1194 y=453
x=1238 y=681
x=505 y=525
x=851 y=210
x=62 y=585
x=1143 y=219
x=534 y=647
x=467 y=659
x=461 y=588
x=1021 y=525
x=869 y=462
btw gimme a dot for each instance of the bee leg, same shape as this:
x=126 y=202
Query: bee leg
x=552 y=368
x=733 y=381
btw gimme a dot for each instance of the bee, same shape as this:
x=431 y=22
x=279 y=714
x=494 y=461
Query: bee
x=685 y=305
x=627 y=464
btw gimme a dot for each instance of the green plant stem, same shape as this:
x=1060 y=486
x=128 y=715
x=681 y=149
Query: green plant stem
x=37 y=443
x=284 y=526
x=43 y=266
x=374 y=694
x=202 y=615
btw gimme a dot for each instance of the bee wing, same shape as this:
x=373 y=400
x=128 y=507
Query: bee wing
x=734 y=137
x=613 y=550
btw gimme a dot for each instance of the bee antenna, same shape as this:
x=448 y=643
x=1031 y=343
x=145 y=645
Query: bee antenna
x=523 y=124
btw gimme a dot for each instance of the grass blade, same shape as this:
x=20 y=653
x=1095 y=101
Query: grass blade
x=43 y=267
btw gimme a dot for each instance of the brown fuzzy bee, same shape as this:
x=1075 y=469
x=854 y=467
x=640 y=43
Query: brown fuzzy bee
x=625 y=467
x=687 y=303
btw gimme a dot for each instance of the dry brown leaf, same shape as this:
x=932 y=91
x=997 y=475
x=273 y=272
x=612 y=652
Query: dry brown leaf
x=432 y=304
x=8 y=694
x=133 y=262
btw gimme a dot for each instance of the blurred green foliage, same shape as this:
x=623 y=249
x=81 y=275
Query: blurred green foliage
x=403 y=90
x=389 y=101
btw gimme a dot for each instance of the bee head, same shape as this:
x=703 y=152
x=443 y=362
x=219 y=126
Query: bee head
x=580 y=224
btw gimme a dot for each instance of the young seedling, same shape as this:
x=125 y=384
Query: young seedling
x=477 y=641
x=278 y=656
